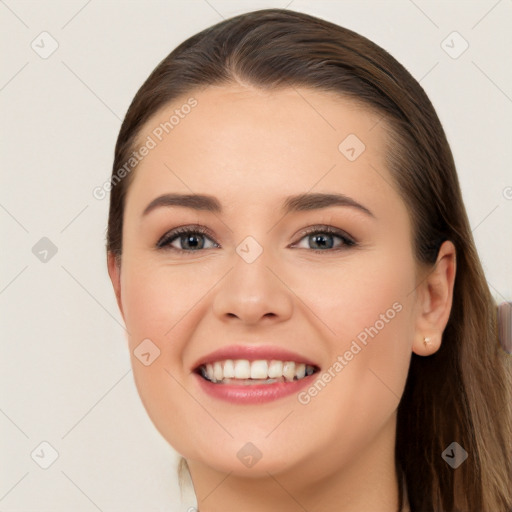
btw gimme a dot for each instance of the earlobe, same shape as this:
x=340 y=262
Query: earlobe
x=435 y=298
x=114 y=271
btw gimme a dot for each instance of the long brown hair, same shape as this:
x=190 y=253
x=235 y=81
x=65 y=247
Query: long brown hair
x=462 y=393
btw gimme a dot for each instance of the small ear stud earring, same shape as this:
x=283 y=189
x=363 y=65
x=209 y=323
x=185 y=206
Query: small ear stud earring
x=426 y=341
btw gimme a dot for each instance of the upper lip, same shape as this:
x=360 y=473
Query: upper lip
x=252 y=353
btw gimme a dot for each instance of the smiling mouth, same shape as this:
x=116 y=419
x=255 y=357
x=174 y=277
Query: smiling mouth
x=245 y=372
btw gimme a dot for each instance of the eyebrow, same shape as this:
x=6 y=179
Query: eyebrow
x=297 y=203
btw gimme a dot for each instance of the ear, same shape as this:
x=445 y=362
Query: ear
x=114 y=271
x=434 y=301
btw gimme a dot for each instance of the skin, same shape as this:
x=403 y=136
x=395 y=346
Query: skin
x=251 y=149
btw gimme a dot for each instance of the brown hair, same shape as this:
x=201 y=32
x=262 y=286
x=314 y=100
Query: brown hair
x=462 y=392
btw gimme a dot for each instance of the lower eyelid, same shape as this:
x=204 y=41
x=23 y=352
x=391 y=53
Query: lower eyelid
x=166 y=240
x=345 y=242
x=343 y=245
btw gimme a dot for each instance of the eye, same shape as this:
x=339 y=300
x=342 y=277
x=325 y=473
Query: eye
x=191 y=239
x=323 y=236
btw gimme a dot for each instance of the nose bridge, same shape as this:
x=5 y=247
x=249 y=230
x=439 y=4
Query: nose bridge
x=251 y=266
x=251 y=290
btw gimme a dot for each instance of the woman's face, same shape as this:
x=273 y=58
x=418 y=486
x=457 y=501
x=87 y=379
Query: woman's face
x=343 y=301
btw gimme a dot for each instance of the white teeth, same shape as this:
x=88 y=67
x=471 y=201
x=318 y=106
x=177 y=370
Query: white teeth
x=229 y=369
x=288 y=370
x=209 y=371
x=242 y=369
x=260 y=370
x=218 y=374
x=275 y=369
x=300 y=371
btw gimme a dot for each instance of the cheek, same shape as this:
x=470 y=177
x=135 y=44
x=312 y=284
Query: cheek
x=374 y=315
x=366 y=289
x=161 y=305
x=156 y=297
x=369 y=308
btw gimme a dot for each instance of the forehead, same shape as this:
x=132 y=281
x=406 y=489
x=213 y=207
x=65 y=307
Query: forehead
x=240 y=141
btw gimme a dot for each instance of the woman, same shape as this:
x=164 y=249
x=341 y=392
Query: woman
x=309 y=322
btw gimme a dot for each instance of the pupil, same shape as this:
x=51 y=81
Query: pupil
x=319 y=238
x=190 y=240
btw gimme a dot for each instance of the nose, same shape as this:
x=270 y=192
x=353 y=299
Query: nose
x=253 y=293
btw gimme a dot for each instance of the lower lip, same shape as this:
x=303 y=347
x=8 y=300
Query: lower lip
x=254 y=393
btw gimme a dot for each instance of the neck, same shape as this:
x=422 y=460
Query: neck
x=364 y=484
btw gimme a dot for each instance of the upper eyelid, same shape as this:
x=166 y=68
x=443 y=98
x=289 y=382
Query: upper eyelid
x=179 y=230
x=173 y=234
x=324 y=228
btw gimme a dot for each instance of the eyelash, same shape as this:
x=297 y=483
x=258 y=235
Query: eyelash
x=168 y=238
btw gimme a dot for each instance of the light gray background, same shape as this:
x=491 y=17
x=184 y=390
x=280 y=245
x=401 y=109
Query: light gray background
x=65 y=369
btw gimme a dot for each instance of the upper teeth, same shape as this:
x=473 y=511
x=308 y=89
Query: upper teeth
x=261 y=369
